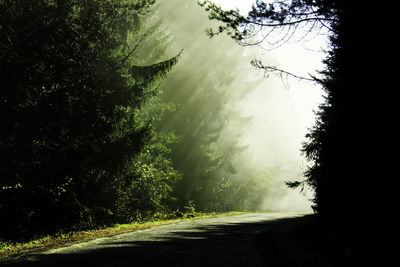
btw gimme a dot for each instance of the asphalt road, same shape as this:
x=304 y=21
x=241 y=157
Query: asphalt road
x=223 y=241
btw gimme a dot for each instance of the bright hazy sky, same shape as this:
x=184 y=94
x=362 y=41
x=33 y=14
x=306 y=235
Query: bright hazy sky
x=297 y=57
x=243 y=5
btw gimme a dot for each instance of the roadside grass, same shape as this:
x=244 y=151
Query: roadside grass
x=10 y=250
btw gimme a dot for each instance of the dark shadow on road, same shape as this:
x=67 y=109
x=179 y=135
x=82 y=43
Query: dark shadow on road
x=232 y=244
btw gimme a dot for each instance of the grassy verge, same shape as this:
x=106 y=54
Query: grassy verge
x=9 y=250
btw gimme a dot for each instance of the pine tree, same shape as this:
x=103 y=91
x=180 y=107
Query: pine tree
x=72 y=92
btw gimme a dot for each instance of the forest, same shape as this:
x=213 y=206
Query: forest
x=109 y=116
x=101 y=124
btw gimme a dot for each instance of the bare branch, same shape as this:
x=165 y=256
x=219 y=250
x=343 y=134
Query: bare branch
x=272 y=69
x=279 y=24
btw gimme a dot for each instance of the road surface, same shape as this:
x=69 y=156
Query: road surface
x=222 y=241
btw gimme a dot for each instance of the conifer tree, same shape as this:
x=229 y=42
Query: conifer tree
x=72 y=94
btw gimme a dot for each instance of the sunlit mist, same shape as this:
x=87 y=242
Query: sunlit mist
x=244 y=6
x=279 y=111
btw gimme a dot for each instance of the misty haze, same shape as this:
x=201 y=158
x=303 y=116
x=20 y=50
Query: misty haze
x=261 y=115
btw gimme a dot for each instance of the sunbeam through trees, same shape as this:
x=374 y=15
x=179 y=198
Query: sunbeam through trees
x=126 y=111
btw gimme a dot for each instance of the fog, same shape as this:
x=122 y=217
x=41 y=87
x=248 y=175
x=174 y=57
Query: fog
x=278 y=111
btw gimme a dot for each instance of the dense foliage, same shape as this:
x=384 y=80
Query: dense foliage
x=87 y=136
x=75 y=139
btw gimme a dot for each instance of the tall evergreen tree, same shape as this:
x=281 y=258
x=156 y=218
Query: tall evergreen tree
x=205 y=90
x=70 y=106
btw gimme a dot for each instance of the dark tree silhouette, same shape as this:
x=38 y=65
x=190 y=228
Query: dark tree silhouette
x=343 y=142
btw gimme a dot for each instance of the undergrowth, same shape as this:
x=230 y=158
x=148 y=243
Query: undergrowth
x=12 y=249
